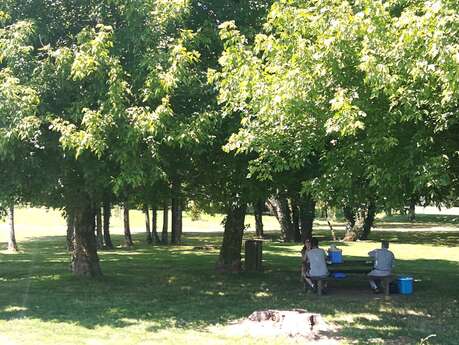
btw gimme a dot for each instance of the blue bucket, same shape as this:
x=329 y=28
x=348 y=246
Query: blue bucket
x=339 y=275
x=336 y=257
x=405 y=285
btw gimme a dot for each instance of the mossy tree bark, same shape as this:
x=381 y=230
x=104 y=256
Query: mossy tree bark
x=230 y=252
x=85 y=261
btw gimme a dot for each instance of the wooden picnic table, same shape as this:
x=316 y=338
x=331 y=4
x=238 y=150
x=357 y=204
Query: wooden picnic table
x=363 y=266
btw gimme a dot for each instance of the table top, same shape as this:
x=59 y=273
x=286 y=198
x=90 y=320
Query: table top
x=351 y=266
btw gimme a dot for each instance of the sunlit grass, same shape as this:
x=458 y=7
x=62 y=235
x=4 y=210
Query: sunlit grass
x=172 y=295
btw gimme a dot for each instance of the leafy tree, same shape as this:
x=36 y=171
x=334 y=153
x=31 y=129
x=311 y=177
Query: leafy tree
x=354 y=85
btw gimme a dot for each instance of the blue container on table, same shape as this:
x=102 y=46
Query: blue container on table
x=405 y=285
x=335 y=256
x=338 y=275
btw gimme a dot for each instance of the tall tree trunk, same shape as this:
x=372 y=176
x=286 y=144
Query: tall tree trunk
x=12 y=245
x=230 y=252
x=412 y=210
x=164 y=236
x=85 y=261
x=363 y=220
x=258 y=213
x=70 y=219
x=176 y=233
x=99 y=226
x=280 y=209
x=107 y=214
x=154 y=225
x=127 y=227
x=368 y=221
x=295 y=220
x=146 y=212
x=175 y=222
x=349 y=216
x=307 y=216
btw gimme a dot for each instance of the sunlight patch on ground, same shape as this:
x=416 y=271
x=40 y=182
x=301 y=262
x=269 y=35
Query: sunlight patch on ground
x=263 y=294
x=14 y=308
x=6 y=341
x=348 y=317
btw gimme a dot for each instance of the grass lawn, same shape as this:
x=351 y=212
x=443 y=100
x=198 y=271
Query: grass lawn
x=172 y=295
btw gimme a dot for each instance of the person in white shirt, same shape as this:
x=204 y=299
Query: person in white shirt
x=384 y=262
x=316 y=258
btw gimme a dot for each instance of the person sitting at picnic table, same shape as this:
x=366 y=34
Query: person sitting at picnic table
x=304 y=258
x=384 y=261
x=316 y=258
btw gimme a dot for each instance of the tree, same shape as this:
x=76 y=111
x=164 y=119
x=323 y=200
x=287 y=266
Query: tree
x=315 y=84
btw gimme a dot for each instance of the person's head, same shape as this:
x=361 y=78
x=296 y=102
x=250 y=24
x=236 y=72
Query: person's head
x=385 y=244
x=314 y=242
x=307 y=243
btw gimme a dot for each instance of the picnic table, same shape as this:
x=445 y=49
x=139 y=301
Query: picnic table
x=362 y=266
x=351 y=266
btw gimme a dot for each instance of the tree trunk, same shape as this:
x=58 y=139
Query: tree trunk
x=363 y=221
x=258 y=213
x=146 y=212
x=296 y=221
x=176 y=232
x=12 y=245
x=280 y=209
x=99 y=226
x=349 y=216
x=307 y=216
x=412 y=210
x=368 y=221
x=107 y=214
x=329 y=218
x=176 y=221
x=230 y=252
x=85 y=261
x=127 y=227
x=154 y=225
x=164 y=236
x=70 y=219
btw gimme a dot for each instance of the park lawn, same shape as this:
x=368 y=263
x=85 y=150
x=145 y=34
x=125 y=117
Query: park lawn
x=172 y=295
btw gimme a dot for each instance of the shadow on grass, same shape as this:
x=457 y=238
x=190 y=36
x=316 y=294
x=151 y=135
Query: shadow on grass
x=176 y=286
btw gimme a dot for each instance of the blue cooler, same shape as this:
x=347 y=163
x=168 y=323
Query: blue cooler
x=338 y=275
x=335 y=256
x=405 y=285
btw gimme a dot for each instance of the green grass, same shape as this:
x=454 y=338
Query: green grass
x=172 y=295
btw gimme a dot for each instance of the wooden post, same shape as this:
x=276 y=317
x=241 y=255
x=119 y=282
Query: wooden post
x=253 y=255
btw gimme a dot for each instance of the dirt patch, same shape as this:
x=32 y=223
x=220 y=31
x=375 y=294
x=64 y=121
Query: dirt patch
x=297 y=323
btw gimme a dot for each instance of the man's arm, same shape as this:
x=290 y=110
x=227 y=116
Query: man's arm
x=372 y=253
